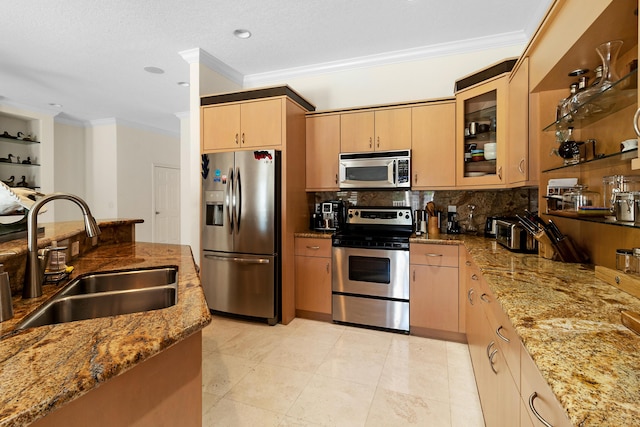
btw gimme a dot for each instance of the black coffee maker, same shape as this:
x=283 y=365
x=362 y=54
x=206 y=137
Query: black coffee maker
x=329 y=216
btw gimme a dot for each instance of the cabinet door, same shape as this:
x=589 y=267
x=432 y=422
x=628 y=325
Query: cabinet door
x=433 y=146
x=518 y=126
x=434 y=297
x=543 y=402
x=393 y=129
x=220 y=127
x=323 y=148
x=357 y=132
x=261 y=123
x=313 y=284
x=482 y=111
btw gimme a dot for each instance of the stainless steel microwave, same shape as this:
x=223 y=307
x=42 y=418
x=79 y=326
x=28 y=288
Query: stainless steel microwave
x=378 y=169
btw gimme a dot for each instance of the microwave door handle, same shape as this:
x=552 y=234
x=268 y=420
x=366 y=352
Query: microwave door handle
x=238 y=198
x=229 y=201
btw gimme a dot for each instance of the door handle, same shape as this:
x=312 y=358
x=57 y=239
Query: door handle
x=533 y=397
x=238 y=198
x=502 y=337
x=229 y=201
x=239 y=259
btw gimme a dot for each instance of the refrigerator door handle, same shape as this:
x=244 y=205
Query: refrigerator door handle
x=238 y=198
x=229 y=200
x=239 y=260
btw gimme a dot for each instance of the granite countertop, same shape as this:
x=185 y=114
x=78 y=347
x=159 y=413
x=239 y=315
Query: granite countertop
x=43 y=368
x=569 y=322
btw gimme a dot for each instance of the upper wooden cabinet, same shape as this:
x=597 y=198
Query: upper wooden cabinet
x=433 y=146
x=249 y=124
x=380 y=130
x=518 y=126
x=481 y=118
x=323 y=148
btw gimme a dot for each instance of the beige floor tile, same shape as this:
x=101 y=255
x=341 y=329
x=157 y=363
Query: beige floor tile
x=251 y=344
x=364 y=341
x=333 y=402
x=229 y=413
x=429 y=380
x=303 y=354
x=221 y=372
x=418 y=349
x=353 y=364
x=323 y=332
x=209 y=400
x=467 y=414
x=390 y=408
x=270 y=387
x=296 y=422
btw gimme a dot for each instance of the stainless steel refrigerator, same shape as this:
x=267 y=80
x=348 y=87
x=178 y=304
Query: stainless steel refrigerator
x=240 y=266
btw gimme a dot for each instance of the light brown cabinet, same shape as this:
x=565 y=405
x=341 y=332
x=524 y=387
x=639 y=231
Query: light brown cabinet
x=433 y=146
x=481 y=118
x=490 y=355
x=236 y=126
x=518 y=126
x=379 y=130
x=313 y=278
x=433 y=289
x=323 y=148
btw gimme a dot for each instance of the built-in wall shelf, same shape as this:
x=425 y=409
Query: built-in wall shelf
x=18 y=141
x=603 y=161
x=599 y=220
x=619 y=95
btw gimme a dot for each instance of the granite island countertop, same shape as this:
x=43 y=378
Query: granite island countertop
x=569 y=322
x=43 y=368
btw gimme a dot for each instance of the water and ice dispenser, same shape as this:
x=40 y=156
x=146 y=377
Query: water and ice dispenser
x=214 y=202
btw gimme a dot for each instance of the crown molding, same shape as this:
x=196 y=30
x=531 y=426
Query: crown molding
x=407 y=55
x=183 y=114
x=197 y=55
x=66 y=120
x=26 y=109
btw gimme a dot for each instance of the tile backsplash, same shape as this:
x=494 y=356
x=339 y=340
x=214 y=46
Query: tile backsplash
x=487 y=202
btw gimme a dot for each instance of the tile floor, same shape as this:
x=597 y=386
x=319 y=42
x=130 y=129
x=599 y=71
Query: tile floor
x=312 y=373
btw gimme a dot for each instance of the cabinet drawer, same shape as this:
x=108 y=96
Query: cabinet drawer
x=537 y=395
x=308 y=246
x=431 y=254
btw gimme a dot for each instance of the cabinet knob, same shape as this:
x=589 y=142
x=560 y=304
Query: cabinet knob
x=378 y=145
x=485 y=298
x=500 y=173
x=236 y=139
x=521 y=166
x=315 y=248
x=502 y=337
x=370 y=142
x=328 y=268
x=243 y=137
x=470 y=296
x=336 y=178
x=415 y=178
x=414 y=275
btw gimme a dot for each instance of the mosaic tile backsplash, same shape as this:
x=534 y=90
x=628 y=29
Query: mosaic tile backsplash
x=486 y=202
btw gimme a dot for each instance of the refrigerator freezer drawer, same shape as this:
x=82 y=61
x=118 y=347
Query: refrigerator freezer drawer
x=240 y=284
x=371 y=312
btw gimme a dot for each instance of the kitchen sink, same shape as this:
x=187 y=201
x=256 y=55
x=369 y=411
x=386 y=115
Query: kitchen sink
x=108 y=294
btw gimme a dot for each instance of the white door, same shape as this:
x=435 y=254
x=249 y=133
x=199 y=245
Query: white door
x=166 y=219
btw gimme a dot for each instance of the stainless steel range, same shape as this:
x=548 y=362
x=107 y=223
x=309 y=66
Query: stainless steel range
x=371 y=268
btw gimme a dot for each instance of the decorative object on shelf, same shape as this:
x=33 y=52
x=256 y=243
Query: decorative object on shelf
x=27 y=137
x=6 y=135
x=6 y=159
x=629 y=144
x=23 y=182
x=569 y=149
x=27 y=162
x=10 y=181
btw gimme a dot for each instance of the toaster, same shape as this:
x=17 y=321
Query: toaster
x=511 y=235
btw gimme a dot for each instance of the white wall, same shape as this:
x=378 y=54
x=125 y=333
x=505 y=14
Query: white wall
x=385 y=84
x=101 y=170
x=138 y=150
x=69 y=168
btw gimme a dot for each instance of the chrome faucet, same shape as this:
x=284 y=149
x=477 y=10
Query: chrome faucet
x=37 y=262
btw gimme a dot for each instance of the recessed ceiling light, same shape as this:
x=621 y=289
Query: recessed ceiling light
x=53 y=104
x=242 y=34
x=154 y=70
x=184 y=84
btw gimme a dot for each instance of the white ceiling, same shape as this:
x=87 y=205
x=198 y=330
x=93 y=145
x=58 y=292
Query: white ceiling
x=89 y=55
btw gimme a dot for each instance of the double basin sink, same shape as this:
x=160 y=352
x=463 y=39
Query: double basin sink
x=106 y=294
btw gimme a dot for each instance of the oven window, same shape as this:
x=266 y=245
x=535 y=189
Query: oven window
x=370 y=269
x=367 y=173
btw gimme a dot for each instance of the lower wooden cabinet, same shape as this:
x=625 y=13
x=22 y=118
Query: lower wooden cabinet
x=433 y=302
x=313 y=278
x=498 y=391
x=538 y=399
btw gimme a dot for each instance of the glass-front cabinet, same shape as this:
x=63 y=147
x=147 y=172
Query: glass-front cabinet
x=481 y=133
